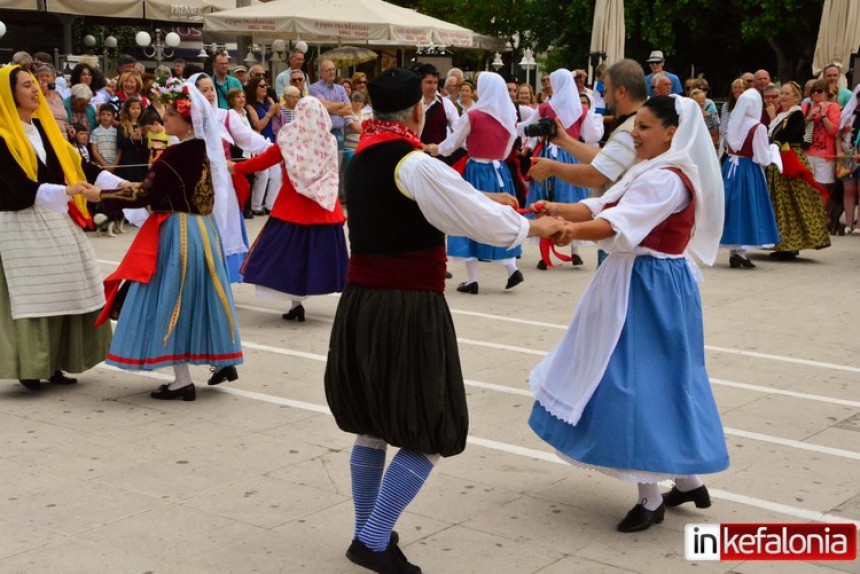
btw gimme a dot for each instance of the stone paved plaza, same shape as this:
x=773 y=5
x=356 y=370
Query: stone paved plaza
x=253 y=476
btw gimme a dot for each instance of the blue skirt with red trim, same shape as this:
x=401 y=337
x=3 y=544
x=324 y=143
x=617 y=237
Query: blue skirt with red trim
x=185 y=314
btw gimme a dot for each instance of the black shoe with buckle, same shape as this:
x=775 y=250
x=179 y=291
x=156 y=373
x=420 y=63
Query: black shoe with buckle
x=223 y=374
x=164 y=393
x=515 y=279
x=58 y=378
x=468 y=287
x=700 y=496
x=640 y=518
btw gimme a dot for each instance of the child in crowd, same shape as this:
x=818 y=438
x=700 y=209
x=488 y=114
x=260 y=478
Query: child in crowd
x=81 y=141
x=134 y=160
x=103 y=139
x=157 y=139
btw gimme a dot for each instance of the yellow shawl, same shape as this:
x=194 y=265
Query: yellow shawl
x=19 y=145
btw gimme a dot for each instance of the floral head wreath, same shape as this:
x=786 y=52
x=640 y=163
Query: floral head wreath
x=175 y=94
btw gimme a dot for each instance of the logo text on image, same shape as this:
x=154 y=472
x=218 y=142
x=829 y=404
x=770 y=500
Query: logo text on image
x=770 y=541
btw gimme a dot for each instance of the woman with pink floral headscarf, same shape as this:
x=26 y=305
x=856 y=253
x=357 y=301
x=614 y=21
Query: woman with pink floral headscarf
x=301 y=250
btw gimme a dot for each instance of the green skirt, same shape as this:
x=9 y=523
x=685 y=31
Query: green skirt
x=35 y=348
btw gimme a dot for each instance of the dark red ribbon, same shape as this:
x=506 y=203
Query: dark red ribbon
x=547 y=247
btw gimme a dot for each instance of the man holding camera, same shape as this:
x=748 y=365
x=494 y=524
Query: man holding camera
x=600 y=168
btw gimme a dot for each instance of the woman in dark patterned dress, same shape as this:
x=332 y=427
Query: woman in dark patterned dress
x=796 y=203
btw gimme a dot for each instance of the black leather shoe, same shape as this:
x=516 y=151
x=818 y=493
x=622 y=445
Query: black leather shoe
x=32 y=384
x=515 y=279
x=640 y=518
x=541 y=265
x=248 y=214
x=389 y=561
x=295 y=314
x=186 y=393
x=698 y=495
x=58 y=378
x=468 y=287
x=576 y=260
x=736 y=261
x=223 y=374
x=448 y=275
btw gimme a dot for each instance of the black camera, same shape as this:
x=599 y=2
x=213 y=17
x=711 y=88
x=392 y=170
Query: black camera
x=51 y=86
x=545 y=127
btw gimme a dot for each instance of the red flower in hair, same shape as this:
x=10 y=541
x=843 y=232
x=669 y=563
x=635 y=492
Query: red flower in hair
x=183 y=106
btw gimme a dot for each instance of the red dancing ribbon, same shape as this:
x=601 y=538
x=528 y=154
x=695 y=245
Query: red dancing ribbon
x=139 y=263
x=546 y=246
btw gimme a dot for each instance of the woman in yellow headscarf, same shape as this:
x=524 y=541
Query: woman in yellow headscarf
x=50 y=281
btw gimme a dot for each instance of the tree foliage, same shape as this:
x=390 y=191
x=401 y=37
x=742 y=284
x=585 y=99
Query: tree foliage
x=719 y=38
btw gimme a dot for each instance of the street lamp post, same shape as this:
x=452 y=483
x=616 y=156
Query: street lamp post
x=158 y=49
x=109 y=43
x=528 y=63
x=497 y=62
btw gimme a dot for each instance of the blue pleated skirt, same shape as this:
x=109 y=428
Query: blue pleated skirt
x=185 y=314
x=562 y=191
x=298 y=259
x=653 y=410
x=749 y=218
x=483 y=176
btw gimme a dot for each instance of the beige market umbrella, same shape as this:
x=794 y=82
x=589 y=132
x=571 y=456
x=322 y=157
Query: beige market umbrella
x=607 y=33
x=838 y=34
x=346 y=56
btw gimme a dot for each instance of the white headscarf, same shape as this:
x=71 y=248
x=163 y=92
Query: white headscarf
x=746 y=114
x=565 y=97
x=310 y=153
x=691 y=151
x=208 y=129
x=493 y=99
x=849 y=108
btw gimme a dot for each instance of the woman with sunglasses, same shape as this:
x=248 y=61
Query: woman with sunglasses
x=265 y=115
x=824 y=116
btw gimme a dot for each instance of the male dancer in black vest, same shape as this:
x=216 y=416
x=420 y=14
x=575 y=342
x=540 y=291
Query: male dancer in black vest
x=393 y=374
x=440 y=114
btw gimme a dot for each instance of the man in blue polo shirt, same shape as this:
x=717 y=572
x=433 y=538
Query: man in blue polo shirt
x=333 y=97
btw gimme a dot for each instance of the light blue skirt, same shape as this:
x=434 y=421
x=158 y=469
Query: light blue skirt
x=235 y=261
x=653 y=410
x=555 y=189
x=749 y=218
x=483 y=176
x=178 y=317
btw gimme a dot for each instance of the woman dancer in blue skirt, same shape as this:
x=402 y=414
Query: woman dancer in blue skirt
x=179 y=307
x=749 y=219
x=565 y=106
x=626 y=391
x=488 y=131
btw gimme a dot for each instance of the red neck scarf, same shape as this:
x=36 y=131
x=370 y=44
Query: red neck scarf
x=381 y=131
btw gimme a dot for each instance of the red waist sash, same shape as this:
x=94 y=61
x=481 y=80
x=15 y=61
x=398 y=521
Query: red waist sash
x=413 y=271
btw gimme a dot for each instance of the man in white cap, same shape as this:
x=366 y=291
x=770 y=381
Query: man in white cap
x=656 y=61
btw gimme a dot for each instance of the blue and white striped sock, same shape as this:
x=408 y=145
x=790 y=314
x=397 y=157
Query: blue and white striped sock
x=404 y=478
x=366 y=464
